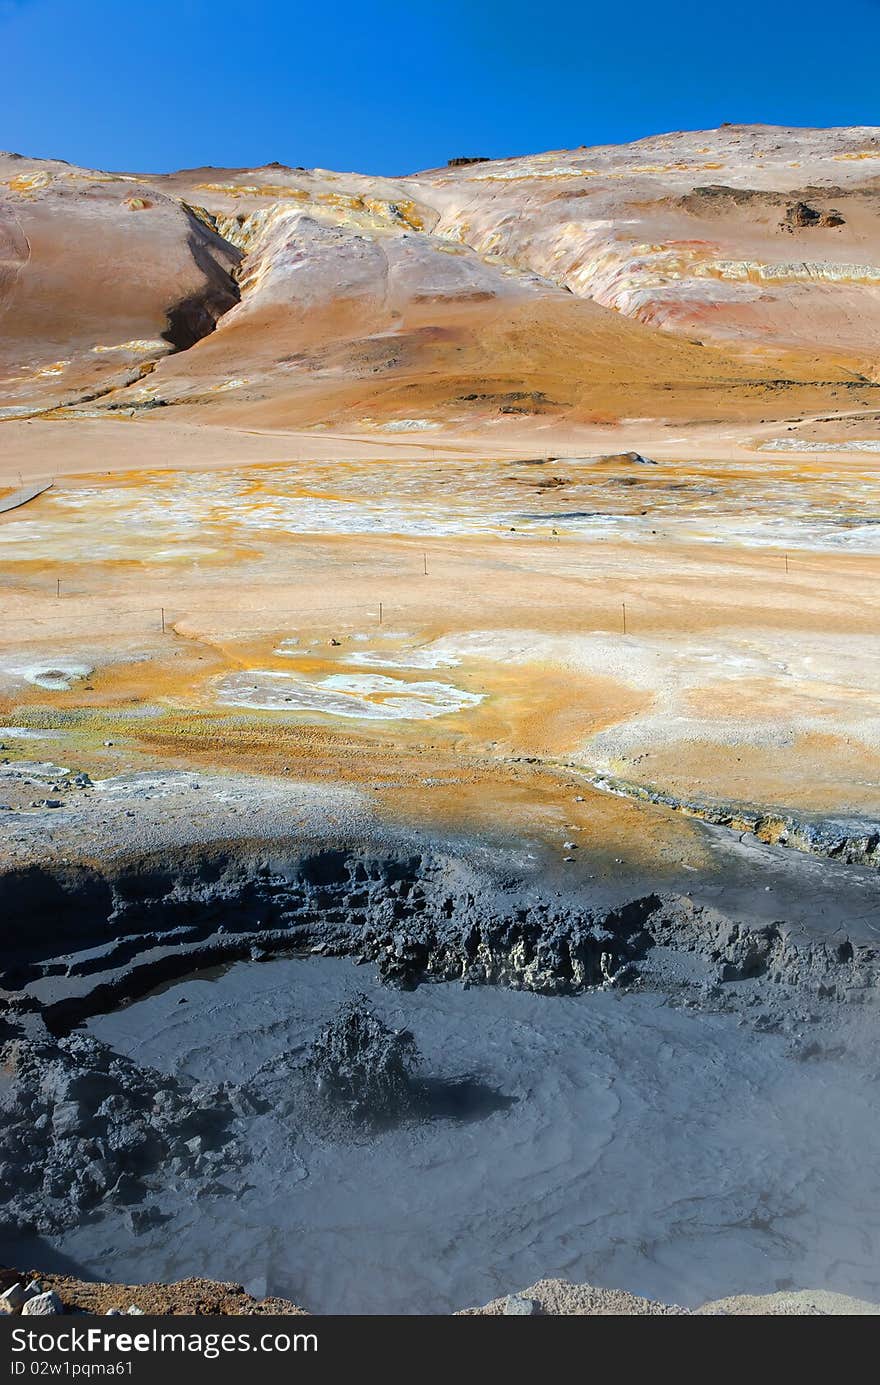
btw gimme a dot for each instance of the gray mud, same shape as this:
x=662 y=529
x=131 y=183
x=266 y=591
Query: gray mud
x=633 y=1086
x=603 y=1137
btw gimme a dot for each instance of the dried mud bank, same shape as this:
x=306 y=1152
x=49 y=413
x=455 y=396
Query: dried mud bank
x=851 y=840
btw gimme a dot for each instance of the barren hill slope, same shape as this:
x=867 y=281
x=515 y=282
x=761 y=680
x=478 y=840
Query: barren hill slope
x=530 y=287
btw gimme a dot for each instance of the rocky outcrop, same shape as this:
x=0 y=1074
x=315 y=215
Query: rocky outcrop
x=801 y=214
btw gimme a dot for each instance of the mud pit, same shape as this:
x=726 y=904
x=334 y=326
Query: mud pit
x=658 y=1090
x=622 y=1141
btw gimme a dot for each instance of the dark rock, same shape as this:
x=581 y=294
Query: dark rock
x=800 y=214
x=68 y=1117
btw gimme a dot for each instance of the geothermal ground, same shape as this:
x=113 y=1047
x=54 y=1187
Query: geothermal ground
x=473 y=576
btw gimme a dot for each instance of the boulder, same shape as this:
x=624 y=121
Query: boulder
x=41 y=1304
x=12 y=1300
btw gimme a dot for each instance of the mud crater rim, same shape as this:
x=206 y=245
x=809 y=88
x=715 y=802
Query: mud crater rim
x=86 y=938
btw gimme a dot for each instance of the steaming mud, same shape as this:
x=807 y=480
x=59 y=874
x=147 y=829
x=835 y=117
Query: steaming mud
x=602 y=1137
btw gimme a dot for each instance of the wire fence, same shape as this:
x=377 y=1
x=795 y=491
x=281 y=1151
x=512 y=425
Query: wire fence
x=214 y=621
x=616 y=605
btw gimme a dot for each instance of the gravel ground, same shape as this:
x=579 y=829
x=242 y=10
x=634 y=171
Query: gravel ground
x=188 y=1296
x=547 y=1298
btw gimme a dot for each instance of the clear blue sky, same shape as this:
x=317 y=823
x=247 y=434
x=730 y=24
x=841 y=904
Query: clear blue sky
x=385 y=86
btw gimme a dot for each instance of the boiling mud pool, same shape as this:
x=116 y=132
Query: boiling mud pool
x=603 y=1138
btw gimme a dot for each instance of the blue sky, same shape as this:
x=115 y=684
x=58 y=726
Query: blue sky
x=388 y=87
